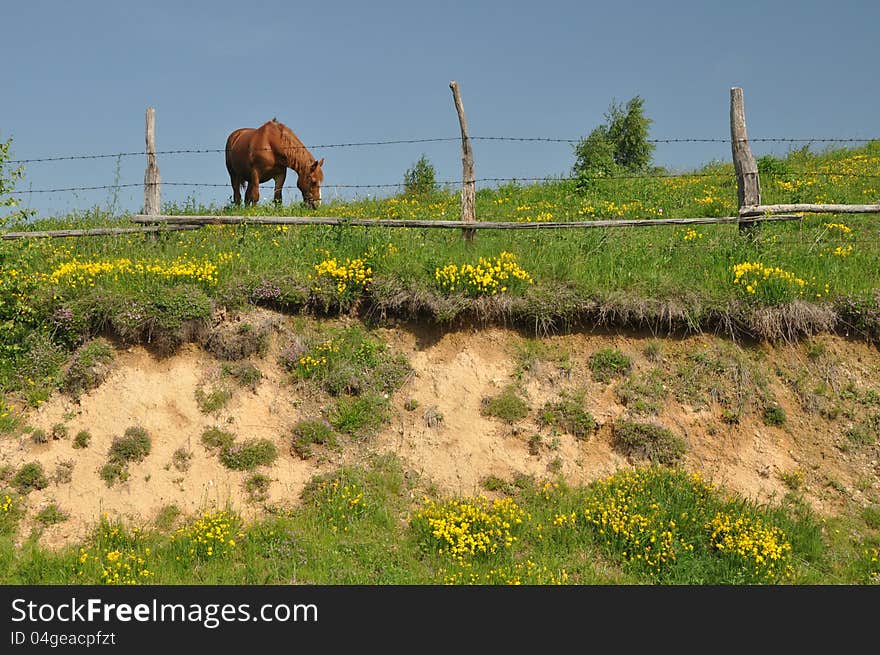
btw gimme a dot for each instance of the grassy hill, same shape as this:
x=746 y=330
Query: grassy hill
x=69 y=307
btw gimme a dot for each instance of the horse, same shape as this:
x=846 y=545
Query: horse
x=258 y=154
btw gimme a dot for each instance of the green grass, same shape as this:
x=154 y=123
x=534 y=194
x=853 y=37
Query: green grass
x=132 y=446
x=308 y=432
x=248 y=454
x=59 y=295
x=608 y=363
x=29 y=477
x=373 y=524
x=508 y=405
x=648 y=441
x=216 y=438
x=569 y=415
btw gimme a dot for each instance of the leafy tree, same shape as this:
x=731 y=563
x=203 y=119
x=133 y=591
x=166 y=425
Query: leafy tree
x=8 y=177
x=420 y=179
x=620 y=144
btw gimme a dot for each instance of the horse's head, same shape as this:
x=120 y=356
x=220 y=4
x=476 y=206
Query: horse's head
x=309 y=183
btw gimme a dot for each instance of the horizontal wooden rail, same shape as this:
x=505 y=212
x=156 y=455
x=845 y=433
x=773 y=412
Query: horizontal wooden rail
x=755 y=210
x=97 y=232
x=405 y=222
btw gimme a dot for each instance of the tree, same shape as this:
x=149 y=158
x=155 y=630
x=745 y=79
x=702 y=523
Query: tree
x=620 y=144
x=420 y=179
x=8 y=178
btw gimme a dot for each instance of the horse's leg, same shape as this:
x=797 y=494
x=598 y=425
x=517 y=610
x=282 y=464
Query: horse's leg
x=236 y=189
x=252 y=195
x=279 y=183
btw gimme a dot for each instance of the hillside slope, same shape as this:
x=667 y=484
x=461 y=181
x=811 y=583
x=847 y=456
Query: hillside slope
x=760 y=419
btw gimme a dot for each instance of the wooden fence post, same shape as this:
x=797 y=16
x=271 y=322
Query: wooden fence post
x=468 y=183
x=152 y=190
x=748 y=186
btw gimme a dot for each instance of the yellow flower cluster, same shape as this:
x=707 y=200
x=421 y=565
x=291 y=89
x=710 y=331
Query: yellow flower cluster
x=76 y=273
x=624 y=516
x=8 y=504
x=519 y=573
x=354 y=274
x=838 y=227
x=311 y=362
x=340 y=502
x=123 y=567
x=692 y=234
x=763 y=548
x=116 y=558
x=873 y=555
x=488 y=277
x=209 y=536
x=462 y=529
x=643 y=538
x=750 y=276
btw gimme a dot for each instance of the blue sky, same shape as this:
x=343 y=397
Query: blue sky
x=78 y=77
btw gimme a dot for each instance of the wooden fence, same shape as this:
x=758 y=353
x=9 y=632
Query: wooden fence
x=751 y=211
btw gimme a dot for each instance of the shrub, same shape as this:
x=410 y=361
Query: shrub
x=607 y=363
x=308 y=432
x=63 y=471
x=619 y=144
x=88 y=368
x=507 y=406
x=420 y=178
x=181 y=459
x=50 y=515
x=774 y=415
x=213 y=400
x=568 y=414
x=39 y=436
x=29 y=477
x=245 y=373
x=257 y=487
x=215 y=438
x=82 y=439
x=132 y=446
x=249 y=454
x=648 y=441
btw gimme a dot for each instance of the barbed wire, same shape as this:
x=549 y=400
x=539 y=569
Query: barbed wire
x=456 y=182
x=353 y=144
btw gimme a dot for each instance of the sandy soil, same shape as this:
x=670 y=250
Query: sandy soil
x=452 y=373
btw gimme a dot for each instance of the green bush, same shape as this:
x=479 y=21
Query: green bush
x=249 y=454
x=215 y=438
x=420 y=179
x=82 y=439
x=29 y=477
x=133 y=446
x=568 y=414
x=619 y=145
x=774 y=415
x=308 y=432
x=648 y=441
x=51 y=514
x=607 y=363
x=508 y=406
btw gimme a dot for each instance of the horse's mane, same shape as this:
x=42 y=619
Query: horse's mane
x=297 y=155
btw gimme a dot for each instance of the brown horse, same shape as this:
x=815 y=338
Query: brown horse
x=255 y=155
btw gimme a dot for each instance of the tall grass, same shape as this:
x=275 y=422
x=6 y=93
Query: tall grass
x=375 y=525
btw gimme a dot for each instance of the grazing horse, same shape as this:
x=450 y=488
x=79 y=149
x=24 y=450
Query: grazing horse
x=258 y=154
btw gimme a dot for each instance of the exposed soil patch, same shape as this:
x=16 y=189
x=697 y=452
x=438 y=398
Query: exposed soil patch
x=825 y=389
